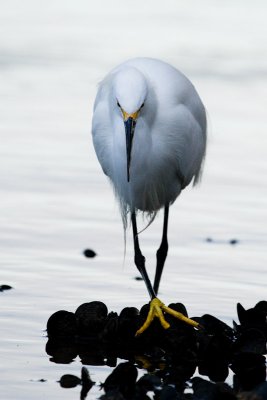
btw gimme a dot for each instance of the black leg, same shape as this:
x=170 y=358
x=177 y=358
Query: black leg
x=162 y=251
x=139 y=259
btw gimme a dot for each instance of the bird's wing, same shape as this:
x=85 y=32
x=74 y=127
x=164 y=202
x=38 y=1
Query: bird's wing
x=190 y=144
x=102 y=136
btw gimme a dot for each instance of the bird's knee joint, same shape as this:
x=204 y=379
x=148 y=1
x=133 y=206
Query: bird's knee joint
x=139 y=260
x=162 y=251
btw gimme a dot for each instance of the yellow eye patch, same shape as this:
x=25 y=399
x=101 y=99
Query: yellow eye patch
x=127 y=116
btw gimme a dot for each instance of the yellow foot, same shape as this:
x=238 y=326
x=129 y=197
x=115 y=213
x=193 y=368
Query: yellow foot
x=156 y=310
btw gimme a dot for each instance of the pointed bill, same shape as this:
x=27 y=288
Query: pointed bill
x=129 y=124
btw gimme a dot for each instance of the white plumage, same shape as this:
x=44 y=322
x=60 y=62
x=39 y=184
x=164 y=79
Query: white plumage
x=149 y=133
x=169 y=138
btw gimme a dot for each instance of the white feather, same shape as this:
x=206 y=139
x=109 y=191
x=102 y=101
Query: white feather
x=170 y=135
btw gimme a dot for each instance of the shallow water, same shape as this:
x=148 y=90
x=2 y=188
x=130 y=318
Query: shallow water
x=56 y=202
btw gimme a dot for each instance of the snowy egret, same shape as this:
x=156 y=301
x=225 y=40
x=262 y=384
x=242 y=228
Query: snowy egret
x=149 y=134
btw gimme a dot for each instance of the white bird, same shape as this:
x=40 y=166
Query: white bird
x=149 y=134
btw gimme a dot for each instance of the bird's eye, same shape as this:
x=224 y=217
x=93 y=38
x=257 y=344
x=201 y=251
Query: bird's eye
x=142 y=105
x=118 y=104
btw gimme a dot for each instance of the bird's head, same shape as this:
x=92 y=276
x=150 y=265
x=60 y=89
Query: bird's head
x=130 y=92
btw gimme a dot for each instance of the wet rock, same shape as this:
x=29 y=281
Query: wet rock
x=171 y=356
x=88 y=253
x=128 y=323
x=261 y=306
x=69 y=381
x=250 y=370
x=233 y=241
x=109 y=333
x=255 y=317
x=62 y=324
x=215 y=346
x=91 y=318
x=214 y=326
x=251 y=341
x=5 y=287
x=214 y=355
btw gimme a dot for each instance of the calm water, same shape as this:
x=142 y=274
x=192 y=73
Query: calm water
x=55 y=201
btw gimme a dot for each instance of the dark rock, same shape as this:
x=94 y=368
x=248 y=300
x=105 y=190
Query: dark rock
x=252 y=317
x=62 y=324
x=171 y=355
x=233 y=241
x=69 y=381
x=252 y=341
x=261 y=306
x=128 y=323
x=109 y=333
x=5 y=287
x=91 y=317
x=255 y=317
x=88 y=253
x=250 y=370
x=215 y=348
x=214 y=326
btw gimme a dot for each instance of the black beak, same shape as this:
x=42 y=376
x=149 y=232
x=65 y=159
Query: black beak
x=129 y=132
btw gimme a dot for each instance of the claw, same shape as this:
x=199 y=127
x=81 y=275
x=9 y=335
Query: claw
x=156 y=310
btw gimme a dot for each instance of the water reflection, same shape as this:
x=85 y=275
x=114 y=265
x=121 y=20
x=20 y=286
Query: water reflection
x=70 y=381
